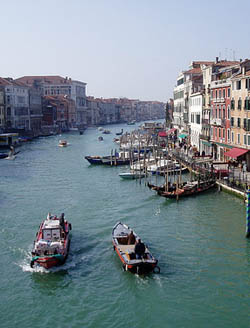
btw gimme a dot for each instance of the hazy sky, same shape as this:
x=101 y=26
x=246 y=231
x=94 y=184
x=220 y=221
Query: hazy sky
x=120 y=48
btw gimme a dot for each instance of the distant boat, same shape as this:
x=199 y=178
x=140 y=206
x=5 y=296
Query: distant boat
x=131 y=175
x=106 y=132
x=100 y=128
x=131 y=122
x=119 y=133
x=63 y=143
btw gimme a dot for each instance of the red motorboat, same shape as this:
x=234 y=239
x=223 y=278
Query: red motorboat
x=52 y=243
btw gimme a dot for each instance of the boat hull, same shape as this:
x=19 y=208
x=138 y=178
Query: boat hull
x=48 y=262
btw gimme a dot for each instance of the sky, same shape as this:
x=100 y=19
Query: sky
x=120 y=48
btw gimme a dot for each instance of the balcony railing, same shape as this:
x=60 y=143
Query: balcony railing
x=216 y=121
x=204 y=137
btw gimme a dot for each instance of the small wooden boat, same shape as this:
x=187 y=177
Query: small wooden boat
x=131 y=175
x=63 y=143
x=124 y=246
x=107 y=160
x=52 y=243
x=106 y=132
x=188 y=189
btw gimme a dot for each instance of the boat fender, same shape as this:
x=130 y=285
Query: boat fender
x=126 y=267
x=156 y=269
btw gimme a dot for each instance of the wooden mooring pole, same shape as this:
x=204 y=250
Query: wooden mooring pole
x=248 y=215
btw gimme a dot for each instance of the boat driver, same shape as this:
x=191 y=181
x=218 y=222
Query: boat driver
x=139 y=249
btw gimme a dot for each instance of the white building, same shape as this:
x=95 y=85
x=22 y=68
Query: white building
x=195 y=119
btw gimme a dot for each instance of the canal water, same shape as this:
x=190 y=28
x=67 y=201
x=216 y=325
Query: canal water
x=199 y=241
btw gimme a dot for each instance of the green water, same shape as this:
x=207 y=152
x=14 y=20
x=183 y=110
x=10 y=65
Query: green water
x=200 y=243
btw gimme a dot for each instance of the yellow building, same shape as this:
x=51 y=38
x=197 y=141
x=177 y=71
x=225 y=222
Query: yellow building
x=240 y=109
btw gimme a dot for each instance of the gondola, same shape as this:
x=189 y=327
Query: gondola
x=126 y=251
x=189 y=189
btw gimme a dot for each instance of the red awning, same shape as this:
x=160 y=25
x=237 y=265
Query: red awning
x=171 y=131
x=235 y=152
x=162 y=134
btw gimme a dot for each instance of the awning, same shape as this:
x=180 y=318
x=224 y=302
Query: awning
x=236 y=152
x=171 y=131
x=162 y=134
x=223 y=145
x=206 y=143
x=182 y=136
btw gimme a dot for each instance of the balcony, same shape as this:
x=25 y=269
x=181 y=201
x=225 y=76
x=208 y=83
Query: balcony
x=216 y=121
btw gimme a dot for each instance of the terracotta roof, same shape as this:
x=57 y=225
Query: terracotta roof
x=194 y=71
x=4 y=82
x=241 y=75
x=226 y=63
x=48 y=79
x=203 y=62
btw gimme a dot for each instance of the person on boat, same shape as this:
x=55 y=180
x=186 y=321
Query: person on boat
x=139 y=249
x=62 y=222
x=131 y=238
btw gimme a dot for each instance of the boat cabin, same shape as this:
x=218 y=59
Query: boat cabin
x=52 y=230
x=8 y=139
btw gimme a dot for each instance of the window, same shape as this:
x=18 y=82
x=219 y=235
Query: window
x=248 y=139
x=232 y=121
x=224 y=93
x=228 y=135
x=247 y=103
x=228 y=92
x=232 y=104
x=215 y=93
x=247 y=83
x=245 y=139
x=224 y=112
x=232 y=137
x=239 y=103
x=238 y=85
x=238 y=122
x=248 y=125
x=220 y=93
x=198 y=119
x=238 y=138
x=245 y=123
x=223 y=135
